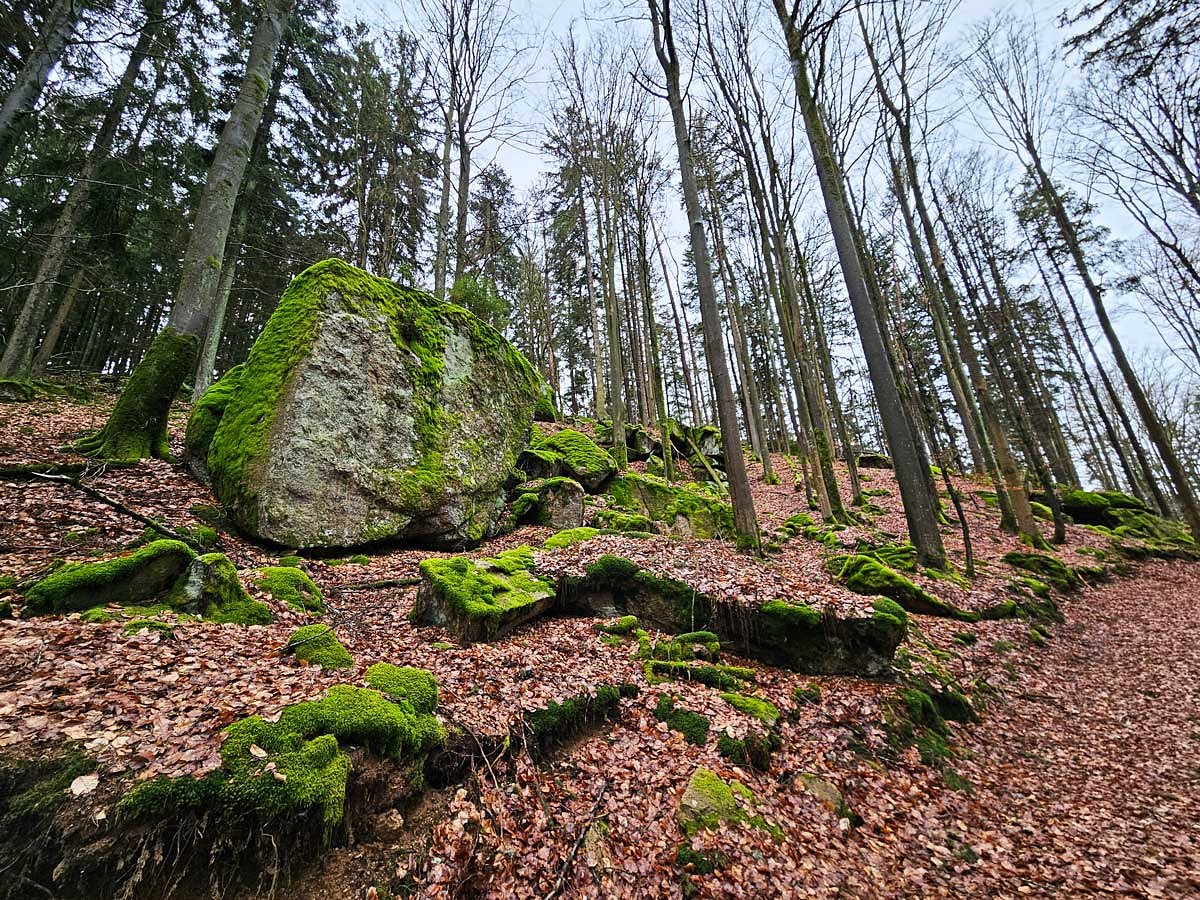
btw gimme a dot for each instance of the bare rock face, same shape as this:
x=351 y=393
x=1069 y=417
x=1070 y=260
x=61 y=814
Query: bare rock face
x=366 y=412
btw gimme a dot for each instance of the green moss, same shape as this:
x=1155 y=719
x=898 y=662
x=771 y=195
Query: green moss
x=901 y=557
x=207 y=412
x=693 y=726
x=710 y=803
x=685 y=508
x=97 y=615
x=164 y=628
x=543 y=410
x=417 y=323
x=1048 y=568
x=558 y=721
x=136 y=577
x=299 y=765
x=619 y=520
x=580 y=456
x=287 y=584
x=763 y=710
x=318 y=645
x=622 y=626
x=692 y=644
x=211 y=588
x=417 y=686
x=754 y=750
x=966 y=638
x=291 y=560
x=479 y=594
x=866 y=575
x=806 y=693
x=137 y=427
x=569 y=536
x=32 y=790
x=723 y=678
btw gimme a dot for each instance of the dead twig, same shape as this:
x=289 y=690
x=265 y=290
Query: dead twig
x=121 y=508
x=560 y=883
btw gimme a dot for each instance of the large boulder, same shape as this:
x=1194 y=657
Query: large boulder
x=367 y=411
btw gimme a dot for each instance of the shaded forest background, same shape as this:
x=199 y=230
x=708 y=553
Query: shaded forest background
x=977 y=172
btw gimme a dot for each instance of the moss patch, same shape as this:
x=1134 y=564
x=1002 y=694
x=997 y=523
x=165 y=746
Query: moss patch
x=134 y=578
x=688 y=510
x=417 y=686
x=318 y=645
x=287 y=584
x=693 y=726
x=866 y=575
x=299 y=765
x=563 y=539
x=763 y=710
x=1048 y=569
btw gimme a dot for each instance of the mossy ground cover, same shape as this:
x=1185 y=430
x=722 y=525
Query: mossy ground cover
x=286 y=768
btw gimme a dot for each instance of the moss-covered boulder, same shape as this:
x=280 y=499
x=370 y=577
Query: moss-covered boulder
x=709 y=803
x=576 y=455
x=296 y=765
x=871 y=459
x=689 y=511
x=557 y=502
x=290 y=585
x=867 y=575
x=481 y=599
x=367 y=411
x=132 y=579
x=318 y=645
x=1049 y=569
x=210 y=588
x=1098 y=507
x=786 y=633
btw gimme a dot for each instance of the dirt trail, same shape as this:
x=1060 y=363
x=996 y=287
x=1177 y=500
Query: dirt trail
x=1088 y=774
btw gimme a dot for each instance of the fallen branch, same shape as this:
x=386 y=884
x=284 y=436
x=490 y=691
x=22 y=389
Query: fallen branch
x=122 y=508
x=560 y=883
x=30 y=471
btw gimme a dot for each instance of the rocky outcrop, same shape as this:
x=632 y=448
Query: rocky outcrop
x=365 y=412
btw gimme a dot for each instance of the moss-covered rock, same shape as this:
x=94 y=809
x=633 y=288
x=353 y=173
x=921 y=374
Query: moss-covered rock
x=555 y=502
x=620 y=520
x=318 y=645
x=874 y=460
x=367 y=411
x=709 y=803
x=623 y=626
x=723 y=678
x=135 y=578
x=210 y=588
x=687 y=511
x=788 y=634
x=763 y=710
x=866 y=575
x=484 y=599
x=295 y=765
x=417 y=686
x=578 y=456
x=755 y=749
x=1048 y=569
x=1098 y=507
x=287 y=584
x=206 y=416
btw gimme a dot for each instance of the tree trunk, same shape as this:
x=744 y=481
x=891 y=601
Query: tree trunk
x=18 y=354
x=745 y=518
x=920 y=509
x=54 y=329
x=17 y=110
x=1150 y=420
x=137 y=427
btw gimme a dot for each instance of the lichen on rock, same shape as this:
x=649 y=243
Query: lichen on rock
x=367 y=411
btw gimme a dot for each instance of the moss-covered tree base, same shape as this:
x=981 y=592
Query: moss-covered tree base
x=137 y=427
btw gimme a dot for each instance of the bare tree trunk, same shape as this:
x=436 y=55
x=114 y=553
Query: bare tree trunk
x=17 y=110
x=688 y=378
x=1150 y=420
x=18 y=354
x=600 y=401
x=745 y=518
x=137 y=427
x=441 y=260
x=921 y=509
x=464 y=192
x=54 y=329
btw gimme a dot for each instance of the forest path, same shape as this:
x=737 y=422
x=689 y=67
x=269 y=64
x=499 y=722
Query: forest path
x=1088 y=774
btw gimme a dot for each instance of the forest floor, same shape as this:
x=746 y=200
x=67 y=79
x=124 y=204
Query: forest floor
x=1080 y=778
